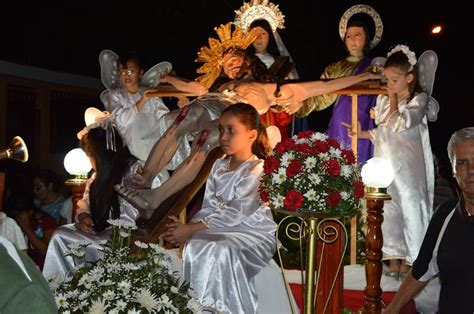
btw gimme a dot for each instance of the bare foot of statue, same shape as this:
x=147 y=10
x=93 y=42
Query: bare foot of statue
x=139 y=199
x=136 y=181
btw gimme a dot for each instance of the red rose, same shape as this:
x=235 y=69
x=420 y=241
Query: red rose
x=332 y=167
x=263 y=193
x=334 y=143
x=294 y=168
x=358 y=189
x=271 y=164
x=323 y=147
x=348 y=156
x=293 y=200
x=333 y=199
x=305 y=134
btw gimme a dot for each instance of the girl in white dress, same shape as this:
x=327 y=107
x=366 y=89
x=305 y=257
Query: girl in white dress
x=402 y=137
x=232 y=237
x=112 y=163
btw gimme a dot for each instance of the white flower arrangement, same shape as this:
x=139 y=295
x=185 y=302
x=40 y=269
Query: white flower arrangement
x=147 y=281
x=404 y=48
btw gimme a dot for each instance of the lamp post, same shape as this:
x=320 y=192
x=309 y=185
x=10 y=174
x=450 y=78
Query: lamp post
x=377 y=175
x=78 y=165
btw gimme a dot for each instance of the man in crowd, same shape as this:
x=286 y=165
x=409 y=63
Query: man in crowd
x=448 y=246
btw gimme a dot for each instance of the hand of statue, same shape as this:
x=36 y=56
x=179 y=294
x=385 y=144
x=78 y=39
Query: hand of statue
x=293 y=107
x=85 y=224
x=372 y=113
x=350 y=132
x=182 y=102
x=146 y=95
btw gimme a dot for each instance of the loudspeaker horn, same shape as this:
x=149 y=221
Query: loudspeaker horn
x=16 y=150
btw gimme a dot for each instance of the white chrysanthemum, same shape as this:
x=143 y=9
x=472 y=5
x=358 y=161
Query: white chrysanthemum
x=99 y=306
x=310 y=162
x=346 y=171
x=194 y=306
x=147 y=300
x=157 y=248
x=174 y=289
x=120 y=305
x=107 y=282
x=323 y=156
x=55 y=281
x=278 y=201
x=133 y=311
x=130 y=266
x=279 y=177
x=84 y=280
x=286 y=158
x=61 y=301
x=108 y=295
x=310 y=195
x=302 y=141
x=315 y=178
x=141 y=244
x=318 y=137
x=345 y=195
x=124 y=285
x=124 y=234
x=84 y=295
x=96 y=273
x=73 y=294
x=166 y=302
x=103 y=242
x=335 y=152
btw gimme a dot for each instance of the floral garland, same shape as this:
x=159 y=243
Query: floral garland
x=121 y=282
x=311 y=172
x=410 y=54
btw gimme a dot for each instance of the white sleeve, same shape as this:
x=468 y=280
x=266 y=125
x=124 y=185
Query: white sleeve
x=66 y=210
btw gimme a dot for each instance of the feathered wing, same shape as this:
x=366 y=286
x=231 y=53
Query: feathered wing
x=426 y=68
x=152 y=77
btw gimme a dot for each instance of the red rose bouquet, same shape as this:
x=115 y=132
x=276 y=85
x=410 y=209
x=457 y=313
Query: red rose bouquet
x=312 y=172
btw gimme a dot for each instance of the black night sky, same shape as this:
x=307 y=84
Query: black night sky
x=67 y=36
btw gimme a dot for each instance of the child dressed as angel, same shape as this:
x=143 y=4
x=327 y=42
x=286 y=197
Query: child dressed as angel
x=402 y=137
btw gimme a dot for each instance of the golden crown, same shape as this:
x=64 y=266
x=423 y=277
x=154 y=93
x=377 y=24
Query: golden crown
x=257 y=10
x=213 y=54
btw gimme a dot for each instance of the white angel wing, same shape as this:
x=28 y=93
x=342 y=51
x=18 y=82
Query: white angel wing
x=426 y=65
x=152 y=77
x=108 y=69
x=426 y=68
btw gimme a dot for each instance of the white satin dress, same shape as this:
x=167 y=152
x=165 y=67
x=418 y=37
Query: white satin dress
x=403 y=139
x=56 y=260
x=121 y=104
x=221 y=262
